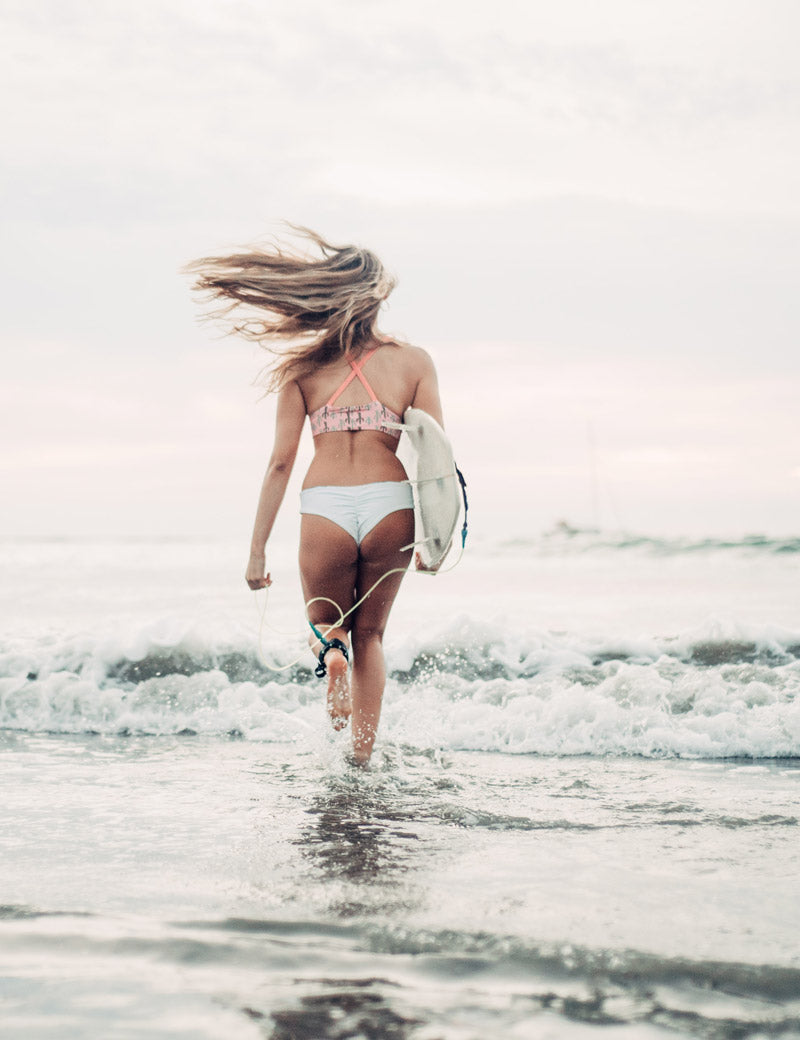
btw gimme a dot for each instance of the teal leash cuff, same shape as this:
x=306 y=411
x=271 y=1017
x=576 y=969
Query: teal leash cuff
x=327 y=644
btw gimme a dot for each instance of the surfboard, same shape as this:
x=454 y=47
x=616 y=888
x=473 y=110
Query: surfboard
x=436 y=487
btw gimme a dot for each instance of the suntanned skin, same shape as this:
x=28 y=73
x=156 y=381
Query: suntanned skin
x=331 y=564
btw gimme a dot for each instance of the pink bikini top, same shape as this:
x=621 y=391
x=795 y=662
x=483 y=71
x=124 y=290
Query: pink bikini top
x=353 y=417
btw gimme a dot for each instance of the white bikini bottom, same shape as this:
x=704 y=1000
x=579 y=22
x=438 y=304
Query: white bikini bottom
x=357 y=508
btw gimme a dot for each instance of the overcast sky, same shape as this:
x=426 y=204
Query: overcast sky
x=592 y=210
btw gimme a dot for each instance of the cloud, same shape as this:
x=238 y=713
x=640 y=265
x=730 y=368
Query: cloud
x=598 y=186
x=164 y=107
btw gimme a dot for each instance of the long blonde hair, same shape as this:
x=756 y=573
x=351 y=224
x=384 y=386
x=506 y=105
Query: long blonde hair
x=326 y=306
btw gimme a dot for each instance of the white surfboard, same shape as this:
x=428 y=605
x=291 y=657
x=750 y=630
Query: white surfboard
x=437 y=491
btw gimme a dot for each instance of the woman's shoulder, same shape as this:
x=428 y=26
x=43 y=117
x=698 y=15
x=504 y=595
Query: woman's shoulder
x=414 y=357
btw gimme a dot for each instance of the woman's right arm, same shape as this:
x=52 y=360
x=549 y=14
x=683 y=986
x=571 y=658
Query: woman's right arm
x=426 y=396
x=289 y=421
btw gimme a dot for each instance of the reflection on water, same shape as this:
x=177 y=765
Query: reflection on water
x=341 y=1014
x=363 y=834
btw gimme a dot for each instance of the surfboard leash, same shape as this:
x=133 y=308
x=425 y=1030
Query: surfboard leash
x=463 y=485
x=322 y=635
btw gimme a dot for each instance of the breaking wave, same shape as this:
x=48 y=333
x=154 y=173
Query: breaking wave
x=713 y=692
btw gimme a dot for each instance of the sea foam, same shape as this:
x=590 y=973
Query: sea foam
x=714 y=691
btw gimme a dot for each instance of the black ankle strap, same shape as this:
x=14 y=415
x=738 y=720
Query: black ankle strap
x=334 y=644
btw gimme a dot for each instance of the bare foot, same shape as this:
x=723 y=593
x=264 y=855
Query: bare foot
x=363 y=739
x=338 y=689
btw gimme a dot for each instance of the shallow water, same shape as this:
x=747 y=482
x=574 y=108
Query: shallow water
x=226 y=888
x=582 y=826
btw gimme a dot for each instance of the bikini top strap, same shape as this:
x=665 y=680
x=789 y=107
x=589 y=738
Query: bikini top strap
x=356 y=367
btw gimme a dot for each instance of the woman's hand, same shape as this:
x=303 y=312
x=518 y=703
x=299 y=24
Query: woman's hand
x=255 y=576
x=420 y=566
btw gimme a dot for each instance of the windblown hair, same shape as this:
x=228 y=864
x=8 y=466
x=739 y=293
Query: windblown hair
x=325 y=306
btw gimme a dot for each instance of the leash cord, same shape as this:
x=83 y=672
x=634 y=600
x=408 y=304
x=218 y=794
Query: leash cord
x=342 y=614
x=345 y=614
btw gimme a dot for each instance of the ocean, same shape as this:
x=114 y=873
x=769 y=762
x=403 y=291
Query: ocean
x=582 y=816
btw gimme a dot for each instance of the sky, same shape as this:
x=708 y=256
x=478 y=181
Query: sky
x=591 y=209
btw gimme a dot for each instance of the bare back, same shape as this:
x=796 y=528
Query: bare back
x=400 y=376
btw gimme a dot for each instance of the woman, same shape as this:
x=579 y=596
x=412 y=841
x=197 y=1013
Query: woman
x=356 y=506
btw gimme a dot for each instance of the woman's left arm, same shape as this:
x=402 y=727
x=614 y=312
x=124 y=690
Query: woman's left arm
x=288 y=427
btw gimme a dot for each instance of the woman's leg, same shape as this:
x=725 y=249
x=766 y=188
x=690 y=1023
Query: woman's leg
x=328 y=567
x=379 y=552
